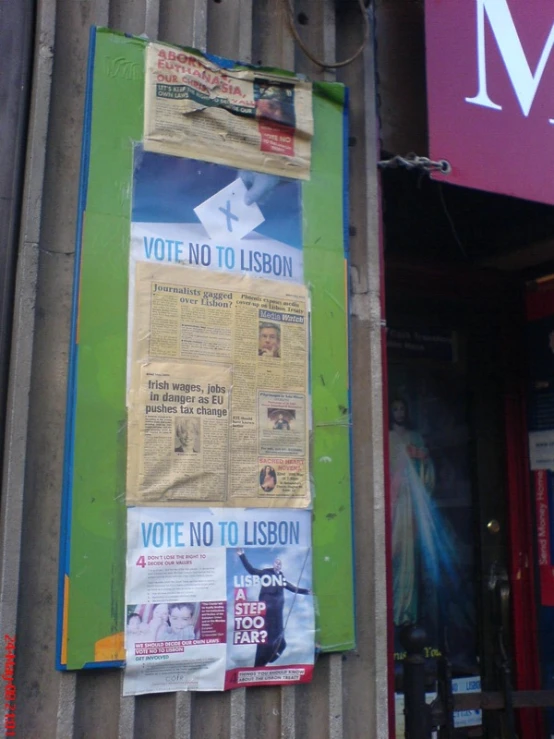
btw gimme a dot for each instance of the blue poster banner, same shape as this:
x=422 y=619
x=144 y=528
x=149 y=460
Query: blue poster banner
x=216 y=217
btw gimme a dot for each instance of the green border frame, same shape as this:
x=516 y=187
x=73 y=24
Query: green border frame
x=92 y=566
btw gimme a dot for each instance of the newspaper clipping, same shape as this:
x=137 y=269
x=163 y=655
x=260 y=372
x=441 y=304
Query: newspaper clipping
x=183 y=421
x=238 y=117
x=218 y=408
x=217 y=599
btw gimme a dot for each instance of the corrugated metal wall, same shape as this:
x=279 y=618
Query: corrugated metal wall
x=347 y=699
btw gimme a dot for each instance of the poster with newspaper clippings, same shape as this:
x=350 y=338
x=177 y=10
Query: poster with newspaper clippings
x=238 y=117
x=207 y=166
x=218 y=599
x=218 y=402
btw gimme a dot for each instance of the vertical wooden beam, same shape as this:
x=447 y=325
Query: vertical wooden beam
x=365 y=671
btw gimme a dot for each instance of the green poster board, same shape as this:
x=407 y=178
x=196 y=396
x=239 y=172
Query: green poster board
x=92 y=571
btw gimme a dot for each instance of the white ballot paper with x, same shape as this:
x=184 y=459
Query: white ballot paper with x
x=226 y=217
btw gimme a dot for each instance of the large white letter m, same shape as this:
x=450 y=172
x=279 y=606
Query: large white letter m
x=524 y=82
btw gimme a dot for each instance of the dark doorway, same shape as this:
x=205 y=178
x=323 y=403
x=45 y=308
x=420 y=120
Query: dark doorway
x=457 y=263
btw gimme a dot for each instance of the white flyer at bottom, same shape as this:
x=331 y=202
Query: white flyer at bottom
x=209 y=602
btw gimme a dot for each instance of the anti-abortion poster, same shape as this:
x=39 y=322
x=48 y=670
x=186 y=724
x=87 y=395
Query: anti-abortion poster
x=218 y=599
x=216 y=217
x=236 y=116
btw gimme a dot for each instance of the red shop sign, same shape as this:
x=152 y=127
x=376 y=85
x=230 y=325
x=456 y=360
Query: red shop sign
x=490 y=87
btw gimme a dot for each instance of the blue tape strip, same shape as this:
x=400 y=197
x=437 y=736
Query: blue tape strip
x=67 y=488
x=102 y=665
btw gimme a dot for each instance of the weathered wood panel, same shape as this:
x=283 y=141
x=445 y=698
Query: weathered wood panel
x=347 y=699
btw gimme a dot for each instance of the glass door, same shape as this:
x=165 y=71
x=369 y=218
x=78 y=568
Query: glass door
x=434 y=543
x=461 y=557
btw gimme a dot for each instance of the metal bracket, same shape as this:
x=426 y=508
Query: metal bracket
x=413 y=161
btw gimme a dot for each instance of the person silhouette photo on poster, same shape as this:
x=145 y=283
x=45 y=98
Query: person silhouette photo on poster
x=158 y=621
x=187 y=436
x=268 y=479
x=269 y=340
x=281 y=423
x=181 y=622
x=274 y=103
x=272 y=594
x=134 y=630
